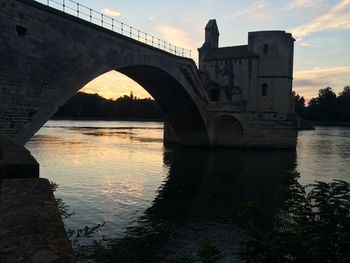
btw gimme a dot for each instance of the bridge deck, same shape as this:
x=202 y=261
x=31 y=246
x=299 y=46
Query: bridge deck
x=101 y=20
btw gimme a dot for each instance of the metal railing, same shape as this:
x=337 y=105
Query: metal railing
x=76 y=9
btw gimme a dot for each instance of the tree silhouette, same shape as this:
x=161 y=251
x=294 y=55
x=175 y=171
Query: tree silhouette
x=93 y=106
x=344 y=104
x=299 y=103
x=326 y=107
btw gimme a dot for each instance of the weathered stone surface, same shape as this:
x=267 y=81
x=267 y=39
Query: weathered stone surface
x=16 y=161
x=59 y=53
x=31 y=229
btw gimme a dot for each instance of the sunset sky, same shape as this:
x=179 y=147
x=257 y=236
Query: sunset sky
x=321 y=28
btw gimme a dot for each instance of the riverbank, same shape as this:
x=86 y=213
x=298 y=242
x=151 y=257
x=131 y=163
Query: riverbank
x=333 y=123
x=106 y=119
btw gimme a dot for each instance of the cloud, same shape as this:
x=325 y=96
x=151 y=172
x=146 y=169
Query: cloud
x=174 y=35
x=152 y=18
x=262 y=15
x=301 y=4
x=308 y=82
x=110 y=12
x=303 y=44
x=338 y=53
x=336 y=18
x=177 y=37
x=257 y=6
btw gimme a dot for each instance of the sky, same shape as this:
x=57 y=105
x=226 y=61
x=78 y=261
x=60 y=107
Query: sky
x=321 y=29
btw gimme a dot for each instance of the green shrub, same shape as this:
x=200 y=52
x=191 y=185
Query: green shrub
x=312 y=226
x=209 y=253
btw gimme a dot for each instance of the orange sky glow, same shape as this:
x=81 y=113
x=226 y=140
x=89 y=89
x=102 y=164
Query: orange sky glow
x=113 y=84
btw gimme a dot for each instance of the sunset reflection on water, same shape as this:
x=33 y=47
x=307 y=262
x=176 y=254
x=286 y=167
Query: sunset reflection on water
x=107 y=171
x=120 y=173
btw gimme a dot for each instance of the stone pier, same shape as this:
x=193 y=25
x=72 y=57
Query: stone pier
x=31 y=228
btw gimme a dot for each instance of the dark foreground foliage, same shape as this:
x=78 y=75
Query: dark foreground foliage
x=87 y=233
x=313 y=226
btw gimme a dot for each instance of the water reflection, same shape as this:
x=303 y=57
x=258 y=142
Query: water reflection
x=202 y=197
x=174 y=198
x=324 y=154
x=218 y=181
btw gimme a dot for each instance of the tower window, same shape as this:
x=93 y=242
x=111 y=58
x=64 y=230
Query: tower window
x=21 y=31
x=264 y=90
x=266 y=48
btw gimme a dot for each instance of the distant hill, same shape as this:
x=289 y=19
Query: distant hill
x=93 y=106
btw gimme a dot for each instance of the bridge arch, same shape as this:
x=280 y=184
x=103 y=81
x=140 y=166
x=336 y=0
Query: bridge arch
x=183 y=119
x=60 y=54
x=228 y=131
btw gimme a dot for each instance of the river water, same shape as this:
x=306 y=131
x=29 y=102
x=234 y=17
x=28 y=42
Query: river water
x=120 y=173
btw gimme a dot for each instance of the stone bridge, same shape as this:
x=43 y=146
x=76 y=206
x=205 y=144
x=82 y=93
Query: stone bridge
x=48 y=55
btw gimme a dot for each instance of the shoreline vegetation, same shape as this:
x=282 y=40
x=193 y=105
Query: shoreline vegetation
x=327 y=109
x=85 y=106
x=333 y=123
x=107 y=119
x=318 y=123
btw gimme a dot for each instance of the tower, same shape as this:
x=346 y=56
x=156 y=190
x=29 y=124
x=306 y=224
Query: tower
x=211 y=40
x=212 y=34
x=275 y=70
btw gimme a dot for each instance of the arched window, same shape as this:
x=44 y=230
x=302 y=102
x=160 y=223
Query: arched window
x=264 y=90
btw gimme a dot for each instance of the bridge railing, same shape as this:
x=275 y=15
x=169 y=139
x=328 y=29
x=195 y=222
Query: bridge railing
x=81 y=11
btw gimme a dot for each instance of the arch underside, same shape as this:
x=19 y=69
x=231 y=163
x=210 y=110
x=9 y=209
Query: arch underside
x=228 y=132
x=182 y=114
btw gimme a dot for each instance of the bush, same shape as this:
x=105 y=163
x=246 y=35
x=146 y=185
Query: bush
x=82 y=252
x=312 y=226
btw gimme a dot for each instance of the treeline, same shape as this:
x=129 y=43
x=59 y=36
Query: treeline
x=327 y=107
x=92 y=106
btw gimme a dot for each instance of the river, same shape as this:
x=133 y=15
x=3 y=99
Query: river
x=120 y=173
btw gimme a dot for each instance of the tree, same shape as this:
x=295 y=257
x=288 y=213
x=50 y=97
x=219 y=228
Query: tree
x=299 y=104
x=84 y=105
x=326 y=95
x=324 y=107
x=344 y=104
x=345 y=92
x=312 y=226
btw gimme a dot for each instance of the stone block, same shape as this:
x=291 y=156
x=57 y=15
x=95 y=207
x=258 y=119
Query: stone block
x=31 y=228
x=16 y=161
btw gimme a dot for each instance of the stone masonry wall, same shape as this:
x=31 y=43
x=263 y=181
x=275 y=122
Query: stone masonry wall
x=47 y=56
x=31 y=229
